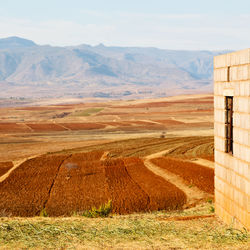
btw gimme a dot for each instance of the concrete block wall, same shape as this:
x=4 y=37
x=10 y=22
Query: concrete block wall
x=232 y=171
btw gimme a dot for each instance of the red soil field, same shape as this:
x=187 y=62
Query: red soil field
x=117 y=123
x=162 y=194
x=89 y=156
x=79 y=186
x=27 y=188
x=126 y=195
x=63 y=184
x=13 y=127
x=82 y=126
x=82 y=184
x=42 y=108
x=142 y=123
x=45 y=127
x=5 y=167
x=193 y=174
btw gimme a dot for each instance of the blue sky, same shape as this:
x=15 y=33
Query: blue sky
x=175 y=24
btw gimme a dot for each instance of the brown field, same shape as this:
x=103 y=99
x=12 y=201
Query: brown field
x=5 y=167
x=27 y=188
x=80 y=185
x=84 y=160
x=45 y=127
x=107 y=155
x=82 y=126
x=162 y=194
x=63 y=184
x=192 y=173
x=13 y=127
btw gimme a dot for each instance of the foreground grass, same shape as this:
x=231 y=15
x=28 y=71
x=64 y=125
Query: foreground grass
x=131 y=231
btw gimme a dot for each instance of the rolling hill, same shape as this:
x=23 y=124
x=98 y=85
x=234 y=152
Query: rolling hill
x=31 y=70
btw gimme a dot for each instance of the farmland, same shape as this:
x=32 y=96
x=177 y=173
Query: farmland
x=63 y=184
x=33 y=130
x=68 y=158
x=152 y=159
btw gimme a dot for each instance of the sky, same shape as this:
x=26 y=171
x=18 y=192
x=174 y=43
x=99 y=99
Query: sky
x=166 y=24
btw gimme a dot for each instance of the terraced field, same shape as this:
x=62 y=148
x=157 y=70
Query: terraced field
x=64 y=184
x=76 y=180
x=68 y=158
x=179 y=147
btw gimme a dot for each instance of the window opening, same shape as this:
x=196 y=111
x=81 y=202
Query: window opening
x=229 y=125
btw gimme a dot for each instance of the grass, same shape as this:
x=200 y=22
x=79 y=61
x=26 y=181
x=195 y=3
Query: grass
x=44 y=213
x=87 y=112
x=130 y=231
x=103 y=211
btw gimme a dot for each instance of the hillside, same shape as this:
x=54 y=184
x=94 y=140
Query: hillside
x=31 y=70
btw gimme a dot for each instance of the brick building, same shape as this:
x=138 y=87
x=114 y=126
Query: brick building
x=232 y=137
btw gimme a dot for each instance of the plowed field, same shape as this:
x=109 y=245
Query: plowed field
x=45 y=127
x=5 y=166
x=155 y=186
x=83 y=126
x=127 y=196
x=193 y=174
x=202 y=147
x=27 y=188
x=63 y=184
x=13 y=127
x=79 y=186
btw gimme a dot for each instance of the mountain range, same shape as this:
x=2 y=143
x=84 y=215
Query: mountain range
x=31 y=70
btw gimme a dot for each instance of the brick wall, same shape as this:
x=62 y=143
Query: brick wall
x=232 y=171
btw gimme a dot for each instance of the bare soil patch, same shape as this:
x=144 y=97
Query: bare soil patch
x=27 y=188
x=83 y=126
x=80 y=185
x=64 y=184
x=13 y=127
x=163 y=195
x=5 y=167
x=45 y=127
x=194 y=174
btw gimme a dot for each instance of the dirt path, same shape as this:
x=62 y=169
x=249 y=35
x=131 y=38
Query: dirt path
x=16 y=165
x=161 y=153
x=149 y=121
x=104 y=156
x=203 y=162
x=194 y=195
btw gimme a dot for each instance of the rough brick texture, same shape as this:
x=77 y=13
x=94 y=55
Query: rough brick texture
x=232 y=171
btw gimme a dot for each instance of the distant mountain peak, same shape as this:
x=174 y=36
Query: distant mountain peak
x=28 y=69
x=16 y=42
x=100 y=45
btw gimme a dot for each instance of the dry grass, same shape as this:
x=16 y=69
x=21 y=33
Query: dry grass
x=138 y=231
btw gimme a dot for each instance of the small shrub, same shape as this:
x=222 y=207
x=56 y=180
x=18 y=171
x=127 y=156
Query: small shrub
x=43 y=213
x=210 y=201
x=103 y=211
x=211 y=209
